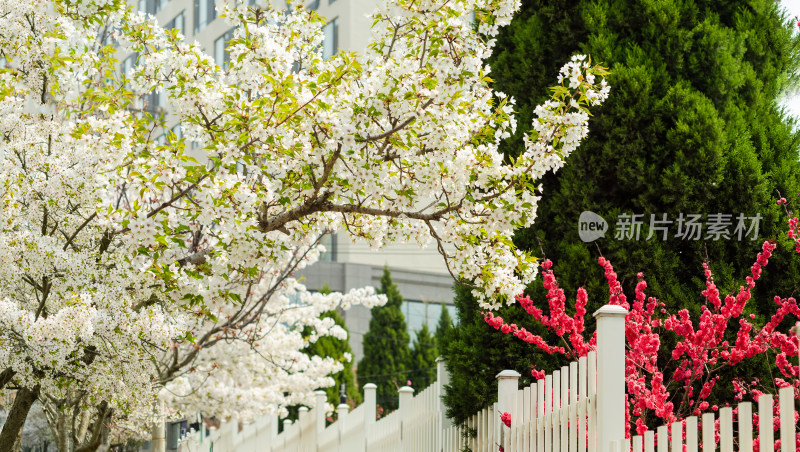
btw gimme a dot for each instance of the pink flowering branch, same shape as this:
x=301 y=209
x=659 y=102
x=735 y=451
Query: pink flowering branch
x=683 y=382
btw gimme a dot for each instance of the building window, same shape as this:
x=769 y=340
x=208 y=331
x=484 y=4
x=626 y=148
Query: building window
x=313 y=6
x=221 y=54
x=152 y=102
x=329 y=242
x=178 y=23
x=418 y=313
x=204 y=14
x=130 y=64
x=151 y=6
x=330 y=43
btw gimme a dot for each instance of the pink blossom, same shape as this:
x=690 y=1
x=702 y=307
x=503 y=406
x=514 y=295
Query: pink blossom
x=683 y=387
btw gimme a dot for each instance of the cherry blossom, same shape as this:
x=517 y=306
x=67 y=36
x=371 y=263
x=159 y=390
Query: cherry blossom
x=142 y=273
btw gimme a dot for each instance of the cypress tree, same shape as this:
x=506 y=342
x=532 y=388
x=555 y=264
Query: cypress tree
x=692 y=126
x=386 y=350
x=424 y=351
x=337 y=348
x=443 y=327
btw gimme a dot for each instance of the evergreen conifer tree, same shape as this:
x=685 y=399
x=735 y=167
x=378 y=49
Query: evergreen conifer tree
x=386 y=350
x=424 y=351
x=692 y=126
x=443 y=327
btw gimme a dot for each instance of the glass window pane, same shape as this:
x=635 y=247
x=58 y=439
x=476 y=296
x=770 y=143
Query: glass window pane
x=330 y=38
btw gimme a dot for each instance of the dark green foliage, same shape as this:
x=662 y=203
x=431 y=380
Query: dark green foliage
x=386 y=351
x=692 y=126
x=475 y=353
x=336 y=348
x=444 y=326
x=424 y=351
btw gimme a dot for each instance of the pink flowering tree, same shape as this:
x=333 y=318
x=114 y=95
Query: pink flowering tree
x=673 y=361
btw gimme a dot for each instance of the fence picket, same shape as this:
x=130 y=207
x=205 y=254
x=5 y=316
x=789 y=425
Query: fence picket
x=583 y=379
x=662 y=442
x=726 y=429
x=556 y=411
x=649 y=442
x=532 y=432
x=637 y=444
x=592 y=402
x=691 y=434
x=540 y=415
x=494 y=424
x=766 y=437
x=573 y=403
x=745 y=421
x=527 y=409
x=786 y=407
x=677 y=437
x=563 y=411
x=518 y=424
x=709 y=444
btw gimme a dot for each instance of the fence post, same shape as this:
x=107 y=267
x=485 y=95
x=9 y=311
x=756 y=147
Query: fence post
x=371 y=413
x=610 y=376
x=442 y=379
x=319 y=410
x=302 y=415
x=507 y=387
x=267 y=432
x=273 y=431
x=341 y=421
x=406 y=395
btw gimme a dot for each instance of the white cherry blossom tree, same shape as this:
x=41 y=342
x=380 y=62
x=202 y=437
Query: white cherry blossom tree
x=130 y=268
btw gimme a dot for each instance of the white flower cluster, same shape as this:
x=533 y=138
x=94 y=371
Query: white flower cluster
x=132 y=266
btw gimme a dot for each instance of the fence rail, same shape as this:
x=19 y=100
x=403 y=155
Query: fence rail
x=578 y=408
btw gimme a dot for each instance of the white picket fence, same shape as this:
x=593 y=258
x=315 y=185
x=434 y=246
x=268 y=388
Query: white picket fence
x=579 y=408
x=672 y=438
x=230 y=437
x=553 y=414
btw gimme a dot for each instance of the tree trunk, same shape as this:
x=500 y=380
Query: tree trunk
x=12 y=430
x=83 y=426
x=63 y=439
x=18 y=443
x=96 y=440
